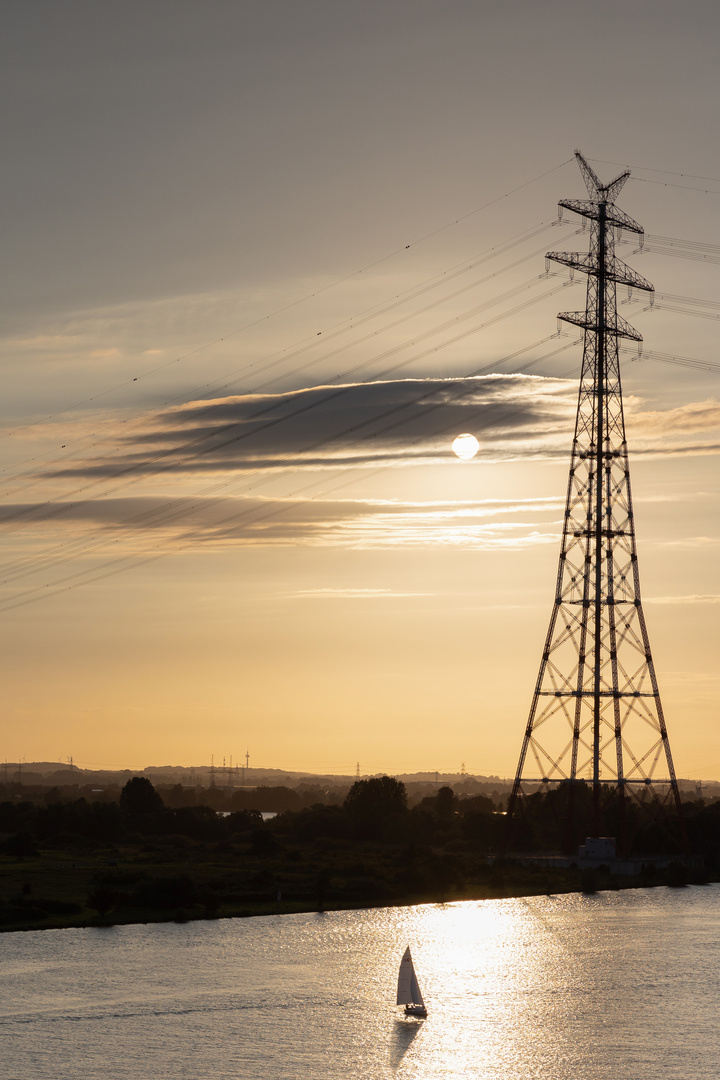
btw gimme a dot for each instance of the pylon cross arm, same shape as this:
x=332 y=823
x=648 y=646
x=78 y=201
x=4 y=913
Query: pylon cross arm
x=616 y=325
x=614 y=269
x=589 y=208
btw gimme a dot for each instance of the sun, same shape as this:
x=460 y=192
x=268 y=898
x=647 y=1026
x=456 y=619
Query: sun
x=465 y=446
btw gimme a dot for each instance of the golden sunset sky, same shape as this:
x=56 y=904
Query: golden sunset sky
x=262 y=263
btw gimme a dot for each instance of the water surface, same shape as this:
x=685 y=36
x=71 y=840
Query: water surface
x=620 y=984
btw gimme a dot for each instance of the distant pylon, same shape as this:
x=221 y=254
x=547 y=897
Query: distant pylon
x=596 y=717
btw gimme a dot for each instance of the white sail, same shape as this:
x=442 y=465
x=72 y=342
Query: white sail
x=408 y=991
x=417 y=998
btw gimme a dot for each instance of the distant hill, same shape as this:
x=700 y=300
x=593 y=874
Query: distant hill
x=60 y=774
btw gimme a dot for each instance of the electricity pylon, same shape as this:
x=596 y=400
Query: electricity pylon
x=596 y=717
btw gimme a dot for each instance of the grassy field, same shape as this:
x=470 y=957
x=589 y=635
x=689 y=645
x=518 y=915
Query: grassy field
x=134 y=884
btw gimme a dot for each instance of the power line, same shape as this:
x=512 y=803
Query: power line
x=147 y=516
x=125 y=562
x=303 y=299
x=339 y=329
x=193 y=456
x=83 y=544
x=647 y=168
x=134 y=471
x=664 y=183
x=687 y=246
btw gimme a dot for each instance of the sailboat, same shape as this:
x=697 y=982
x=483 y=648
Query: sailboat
x=408 y=990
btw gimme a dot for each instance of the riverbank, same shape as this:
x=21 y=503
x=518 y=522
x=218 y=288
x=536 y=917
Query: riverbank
x=54 y=890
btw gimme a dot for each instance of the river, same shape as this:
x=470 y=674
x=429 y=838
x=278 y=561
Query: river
x=573 y=987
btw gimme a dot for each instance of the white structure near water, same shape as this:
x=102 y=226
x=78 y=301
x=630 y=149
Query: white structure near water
x=597 y=849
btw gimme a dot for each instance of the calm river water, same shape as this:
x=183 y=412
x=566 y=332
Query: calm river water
x=623 y=984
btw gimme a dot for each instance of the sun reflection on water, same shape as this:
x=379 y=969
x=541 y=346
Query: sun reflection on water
x=486 y=970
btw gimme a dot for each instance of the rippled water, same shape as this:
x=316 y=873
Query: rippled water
x=621 y=984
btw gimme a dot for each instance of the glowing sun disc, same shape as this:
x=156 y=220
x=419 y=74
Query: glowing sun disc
x=465 y=446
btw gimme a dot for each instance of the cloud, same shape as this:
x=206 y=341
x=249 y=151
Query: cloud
x=355 y=523
x=379 y=423
x=353 y=594
x=698 y=598
x=695 y=416
x=403 y=421
x=654 y=433
x=105 y=354
x=691 y=542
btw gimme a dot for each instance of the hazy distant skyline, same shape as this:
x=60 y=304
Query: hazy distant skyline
x=262 y=263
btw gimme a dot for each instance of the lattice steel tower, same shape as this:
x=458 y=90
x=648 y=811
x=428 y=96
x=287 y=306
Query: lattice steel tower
x=596 y=717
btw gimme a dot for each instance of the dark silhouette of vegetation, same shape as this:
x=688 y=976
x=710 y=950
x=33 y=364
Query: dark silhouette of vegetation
x=21 y=845
x=139 y=798
x=101 y=899
x=142 y=857
x=558 y=820
x=374 y=806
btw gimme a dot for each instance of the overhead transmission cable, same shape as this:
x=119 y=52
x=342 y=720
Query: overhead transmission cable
x=164 y=515
x=674 y=360
x=84 y=545
x=686 y=361
x=343 y=327
x=316 y=292
x=674 y=247
x=348 y=325
x=126 y=562
x=665 y=172
x=253 y=483
x=172 y=454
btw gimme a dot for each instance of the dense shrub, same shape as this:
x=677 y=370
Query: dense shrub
x=139 y=798
x=372 y=805
x=21 y=845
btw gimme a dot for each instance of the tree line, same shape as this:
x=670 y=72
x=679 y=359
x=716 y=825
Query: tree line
x=374 y=809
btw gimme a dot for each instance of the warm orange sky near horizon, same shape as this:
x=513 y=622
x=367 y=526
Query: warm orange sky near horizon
x=261 y=268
